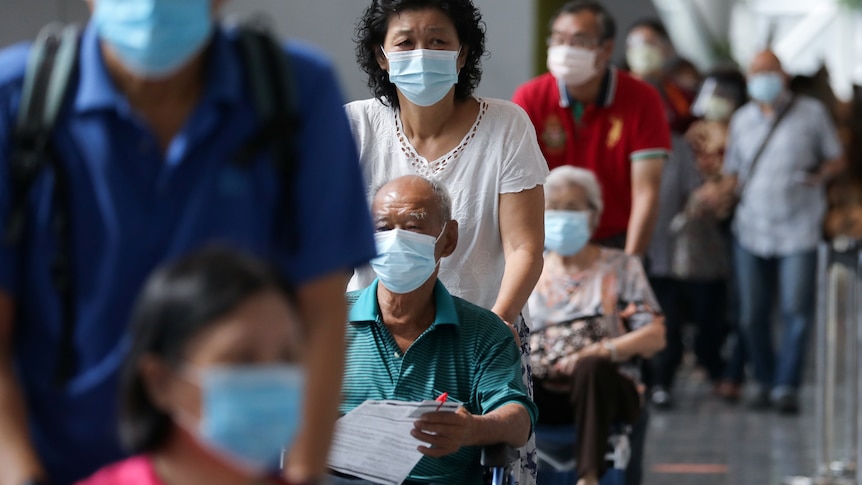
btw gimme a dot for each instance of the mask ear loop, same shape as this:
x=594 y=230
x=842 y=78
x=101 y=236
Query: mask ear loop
x=438 y=240
x=441 y=232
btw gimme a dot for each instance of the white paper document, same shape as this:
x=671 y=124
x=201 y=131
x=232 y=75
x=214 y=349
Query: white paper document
x=373 y=441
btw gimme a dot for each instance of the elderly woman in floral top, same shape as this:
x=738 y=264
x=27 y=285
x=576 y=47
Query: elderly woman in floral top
x=594 y=314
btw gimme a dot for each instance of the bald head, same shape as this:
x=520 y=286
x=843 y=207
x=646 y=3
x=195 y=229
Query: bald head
x=766 y=79
x=429 y=198
x=765 y=61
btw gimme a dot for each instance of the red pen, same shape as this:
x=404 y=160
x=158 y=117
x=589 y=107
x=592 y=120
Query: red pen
x=441 y=399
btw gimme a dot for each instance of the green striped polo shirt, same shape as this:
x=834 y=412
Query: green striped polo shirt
x=467 y=352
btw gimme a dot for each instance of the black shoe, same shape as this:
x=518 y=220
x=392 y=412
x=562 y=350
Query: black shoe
x=661 y=398
x=787 y=403
x=760 y=401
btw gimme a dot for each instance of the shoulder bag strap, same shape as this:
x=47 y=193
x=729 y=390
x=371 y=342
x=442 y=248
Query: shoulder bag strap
x=740 y=189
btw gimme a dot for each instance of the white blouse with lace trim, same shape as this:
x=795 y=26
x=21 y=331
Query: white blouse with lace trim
x=498 y=155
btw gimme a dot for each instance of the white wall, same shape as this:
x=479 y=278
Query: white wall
x=330 y=24
x=696 y=26
x=807 y=34
x=21 y=19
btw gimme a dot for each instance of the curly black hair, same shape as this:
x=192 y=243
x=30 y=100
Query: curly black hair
x=371 y=31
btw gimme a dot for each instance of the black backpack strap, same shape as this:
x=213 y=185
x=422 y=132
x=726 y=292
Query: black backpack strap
x=270 y=77
x=50 y=67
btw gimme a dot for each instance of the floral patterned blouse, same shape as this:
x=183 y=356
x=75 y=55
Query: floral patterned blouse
x=572 y=310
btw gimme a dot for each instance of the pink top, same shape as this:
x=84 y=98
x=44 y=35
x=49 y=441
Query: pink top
x=137 y=470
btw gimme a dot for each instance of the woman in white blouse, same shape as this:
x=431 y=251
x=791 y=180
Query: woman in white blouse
x=423 y=64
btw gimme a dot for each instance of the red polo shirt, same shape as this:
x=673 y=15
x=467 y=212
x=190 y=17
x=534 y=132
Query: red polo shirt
x=626 y=124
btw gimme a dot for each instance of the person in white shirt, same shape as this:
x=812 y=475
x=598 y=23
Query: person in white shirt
x=423 y=64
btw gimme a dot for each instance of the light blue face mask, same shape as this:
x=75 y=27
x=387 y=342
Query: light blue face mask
x=566 y=232
x=765 y=87
x=423 y=76
x=251 y=413
x=154 y=38
x=406 y=259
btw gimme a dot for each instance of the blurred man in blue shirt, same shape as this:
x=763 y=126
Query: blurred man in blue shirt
x=148 y=136
x=782 y=149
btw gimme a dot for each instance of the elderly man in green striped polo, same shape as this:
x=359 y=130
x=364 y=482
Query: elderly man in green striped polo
x=409 y=339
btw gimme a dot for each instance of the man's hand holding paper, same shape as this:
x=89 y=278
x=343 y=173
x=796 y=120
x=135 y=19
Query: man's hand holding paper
x=375 y=441
x=445 y=432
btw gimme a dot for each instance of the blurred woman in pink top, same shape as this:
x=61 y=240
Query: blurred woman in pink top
x=212 y=388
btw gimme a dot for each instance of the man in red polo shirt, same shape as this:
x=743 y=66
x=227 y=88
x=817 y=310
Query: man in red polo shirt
x=589 y=114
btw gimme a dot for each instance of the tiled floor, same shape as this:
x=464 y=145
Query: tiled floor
x=704 y=441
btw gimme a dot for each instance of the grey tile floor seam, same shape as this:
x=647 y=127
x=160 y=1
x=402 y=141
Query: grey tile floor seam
x=705 y=441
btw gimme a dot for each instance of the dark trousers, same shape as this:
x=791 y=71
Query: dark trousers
x=701 y=302
x=708 y=310
x=599 y=398
x=737 y=355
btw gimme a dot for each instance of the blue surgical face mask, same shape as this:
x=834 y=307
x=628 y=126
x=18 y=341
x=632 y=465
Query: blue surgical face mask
x=566 y=232
x=423 y=76
x=766 y=87
x=406 y=259
x=250 y=413
x=154 y=38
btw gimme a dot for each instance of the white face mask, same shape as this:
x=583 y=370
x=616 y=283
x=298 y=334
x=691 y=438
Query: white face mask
x=572 y=65
x=718 y=109
x=644 y=59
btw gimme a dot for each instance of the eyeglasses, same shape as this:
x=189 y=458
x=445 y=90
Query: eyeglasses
x=557 y=39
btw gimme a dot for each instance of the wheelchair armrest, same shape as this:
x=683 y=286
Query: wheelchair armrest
x=498 y=455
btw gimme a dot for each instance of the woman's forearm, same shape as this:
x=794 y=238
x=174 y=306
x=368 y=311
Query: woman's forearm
x=523 y=268
x=18 y=460
x=644 y=342
x=522 y=230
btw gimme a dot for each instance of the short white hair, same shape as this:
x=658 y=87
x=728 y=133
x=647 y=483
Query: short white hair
x=441 y=194
x=567 y=175
x=444 y=200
